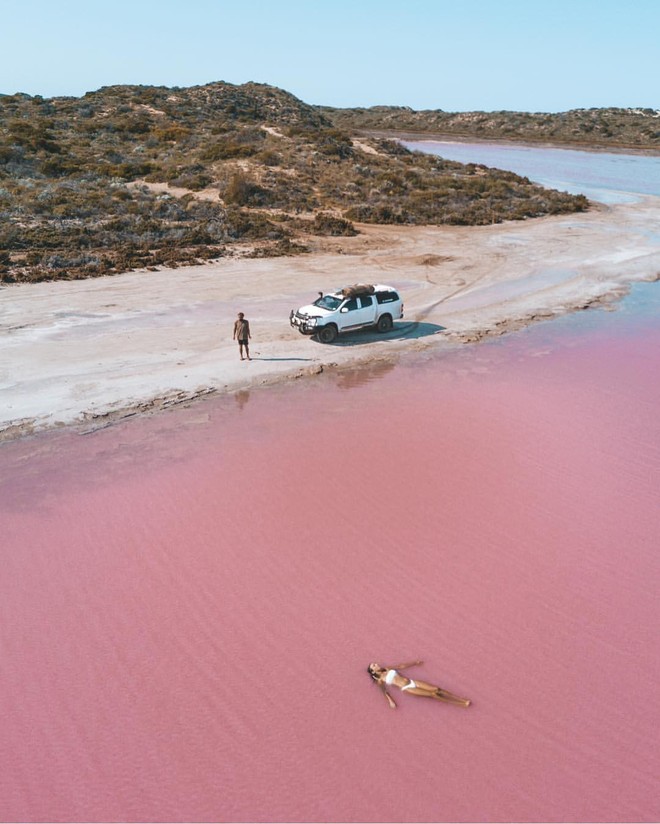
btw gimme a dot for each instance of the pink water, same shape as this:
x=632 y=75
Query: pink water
x=188 y=603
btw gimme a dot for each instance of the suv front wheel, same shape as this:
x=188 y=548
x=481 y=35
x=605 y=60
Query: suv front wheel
x=328 y=333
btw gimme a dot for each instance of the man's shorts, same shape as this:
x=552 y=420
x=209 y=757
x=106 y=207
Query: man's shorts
x=242 y=341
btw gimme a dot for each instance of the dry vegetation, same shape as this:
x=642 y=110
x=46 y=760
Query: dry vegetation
x=84 y=181
x=596 y=128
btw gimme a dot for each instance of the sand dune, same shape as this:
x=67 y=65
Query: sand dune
x=82 y=351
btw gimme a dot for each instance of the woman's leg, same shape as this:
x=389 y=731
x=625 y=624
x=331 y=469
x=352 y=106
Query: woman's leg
x=431 y=691
x=422 y=691
x=450 y=698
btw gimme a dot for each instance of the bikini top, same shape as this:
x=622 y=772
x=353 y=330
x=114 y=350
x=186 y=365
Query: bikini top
x=391 y=674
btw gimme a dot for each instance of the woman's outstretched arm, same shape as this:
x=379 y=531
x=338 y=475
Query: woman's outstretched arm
x=405 y=666
x=390 y=700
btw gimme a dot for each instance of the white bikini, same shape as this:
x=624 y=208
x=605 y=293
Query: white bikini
x=391 y=674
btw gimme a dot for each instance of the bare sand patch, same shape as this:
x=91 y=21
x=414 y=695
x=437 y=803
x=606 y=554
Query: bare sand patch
x=272 y=130
x=175 y=191
x=86 y=350
x=365 y=147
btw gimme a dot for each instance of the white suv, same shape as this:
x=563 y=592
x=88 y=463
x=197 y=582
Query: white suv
x=348 y=309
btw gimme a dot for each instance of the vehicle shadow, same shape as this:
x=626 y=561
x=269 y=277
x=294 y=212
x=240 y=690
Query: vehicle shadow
x=402 y=330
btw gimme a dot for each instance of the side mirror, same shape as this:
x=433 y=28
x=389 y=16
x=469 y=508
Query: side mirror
x=344 y=309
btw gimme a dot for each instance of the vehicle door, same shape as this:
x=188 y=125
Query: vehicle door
x=358 y=312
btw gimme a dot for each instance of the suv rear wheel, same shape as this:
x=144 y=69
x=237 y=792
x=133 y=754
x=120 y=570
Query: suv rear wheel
x=328 y=333
x=385 y=323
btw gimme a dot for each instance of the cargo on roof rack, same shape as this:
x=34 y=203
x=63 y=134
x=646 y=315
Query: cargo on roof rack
x=358 y=289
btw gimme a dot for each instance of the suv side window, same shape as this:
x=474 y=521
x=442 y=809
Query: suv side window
x=386 y=297
x=366 y=300
x=351 y=304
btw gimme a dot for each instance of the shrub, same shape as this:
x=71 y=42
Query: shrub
x=269 y=157
x=171 y=134
x=334 y=144
x=366 y=213
x=325 y=224
x=242 y=191
x=129 y=170
x=227 y=150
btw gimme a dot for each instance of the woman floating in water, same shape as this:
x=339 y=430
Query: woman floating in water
x=388 y=676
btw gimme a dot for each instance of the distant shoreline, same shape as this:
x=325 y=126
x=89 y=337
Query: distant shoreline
x=443 y=137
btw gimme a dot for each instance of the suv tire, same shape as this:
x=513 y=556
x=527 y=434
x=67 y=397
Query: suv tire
x=385 y=323
x=328 y=333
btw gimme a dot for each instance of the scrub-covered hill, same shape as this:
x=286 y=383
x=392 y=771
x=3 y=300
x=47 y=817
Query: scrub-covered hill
x=137 y=176
x=593 y=128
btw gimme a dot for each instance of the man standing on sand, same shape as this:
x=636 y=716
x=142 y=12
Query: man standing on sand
x=242 y=334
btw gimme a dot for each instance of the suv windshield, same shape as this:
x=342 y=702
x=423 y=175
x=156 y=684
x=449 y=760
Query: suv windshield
x=328 y=302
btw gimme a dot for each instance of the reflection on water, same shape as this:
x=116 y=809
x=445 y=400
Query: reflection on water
x=602 y=176
x=353 y=377
x=242 y=397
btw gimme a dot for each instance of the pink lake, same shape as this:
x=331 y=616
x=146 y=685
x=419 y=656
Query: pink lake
x=189 y=601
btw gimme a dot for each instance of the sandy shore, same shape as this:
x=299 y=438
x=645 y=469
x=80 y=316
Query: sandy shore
x=93 y=350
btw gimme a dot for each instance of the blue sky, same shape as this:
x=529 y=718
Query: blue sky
x=456 y=55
